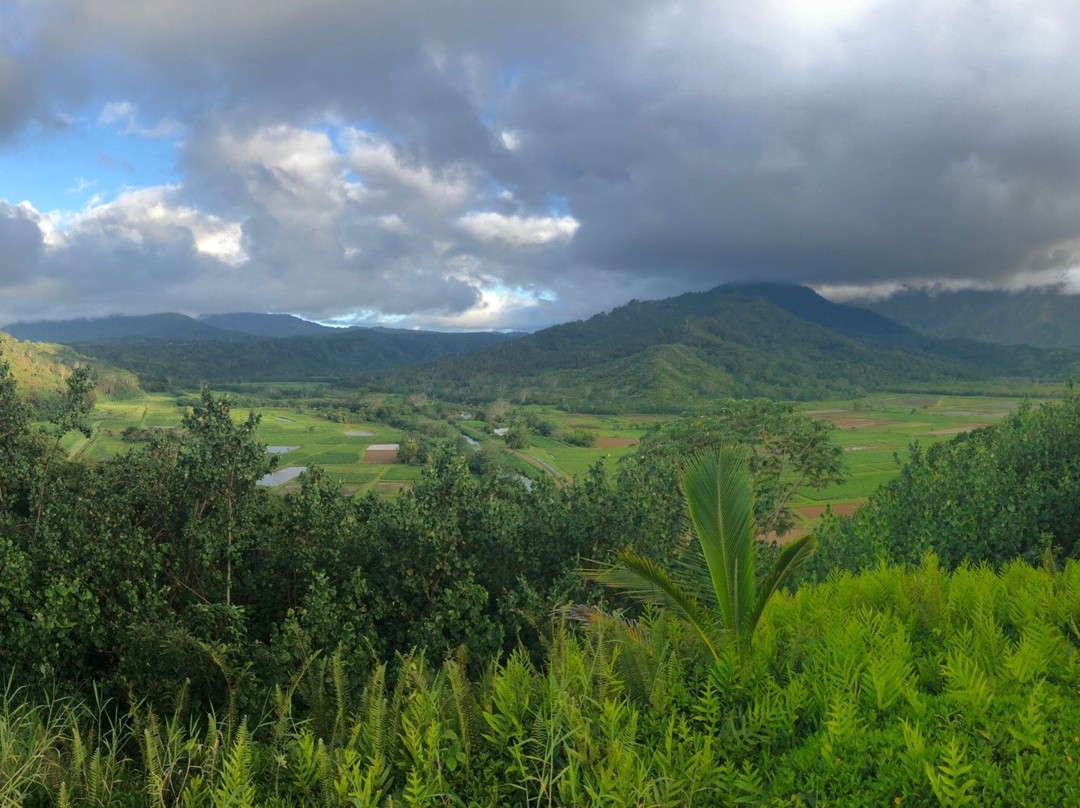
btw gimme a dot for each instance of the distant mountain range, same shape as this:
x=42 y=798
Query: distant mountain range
x=168 y=351
x=164 y=364
x=736 y=340
x=779 y=341
x=1040 y=317
x=166 y=327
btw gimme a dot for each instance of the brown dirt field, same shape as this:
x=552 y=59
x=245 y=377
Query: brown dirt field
x=380 y=457
x=796 y=532
x=857 y=423
x=810 y=514
x=607 y=443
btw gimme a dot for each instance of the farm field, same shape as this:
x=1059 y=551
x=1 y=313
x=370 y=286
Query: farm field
x=875 y=431
x=298 y=438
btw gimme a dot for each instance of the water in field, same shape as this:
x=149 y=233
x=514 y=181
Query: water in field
x=280 y=476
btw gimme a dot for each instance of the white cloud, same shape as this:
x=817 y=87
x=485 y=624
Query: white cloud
x=383 y=168
x=518 y=231
x=127 y=113
x=149 y=215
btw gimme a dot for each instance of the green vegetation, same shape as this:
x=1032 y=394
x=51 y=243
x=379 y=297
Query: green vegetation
x=720 y=504
x=41 y=368
x=174 y=634
x=992 y=494
x=171 y=365
x=916 y=687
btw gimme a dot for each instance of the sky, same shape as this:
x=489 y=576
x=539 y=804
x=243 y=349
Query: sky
x=513 y=164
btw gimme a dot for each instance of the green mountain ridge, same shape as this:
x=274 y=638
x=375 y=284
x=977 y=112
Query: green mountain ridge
x=1044 y=318
x=163 y=364
x=731 y=341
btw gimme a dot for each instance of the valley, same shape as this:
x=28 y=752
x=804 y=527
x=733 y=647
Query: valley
x=875 y=432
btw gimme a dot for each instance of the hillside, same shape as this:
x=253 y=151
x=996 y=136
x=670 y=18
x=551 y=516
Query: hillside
x=161 y=364
x=1039 y=317
x=731 y=341
x=41 y=368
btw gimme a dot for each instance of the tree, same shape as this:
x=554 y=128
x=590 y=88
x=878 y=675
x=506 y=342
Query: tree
x=992 y=494
x=518 y=436
x=14 y=428
x=787 y=450
x=718 y=591
x=220 y=460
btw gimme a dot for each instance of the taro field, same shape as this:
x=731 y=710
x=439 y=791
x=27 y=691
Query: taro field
x=300 y=439
x=875 y=432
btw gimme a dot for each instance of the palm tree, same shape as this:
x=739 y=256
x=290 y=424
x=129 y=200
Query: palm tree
x=718 y=592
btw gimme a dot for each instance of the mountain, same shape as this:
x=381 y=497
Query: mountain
x=807 y=304
x=145 y=326
x=266 y=325
x=162 y=364
x=1040 y=317
x=735 y=340
x=169 y=326
x=41 y=368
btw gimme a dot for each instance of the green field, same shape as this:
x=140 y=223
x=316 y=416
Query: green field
x=876 y=433
x=318 y=441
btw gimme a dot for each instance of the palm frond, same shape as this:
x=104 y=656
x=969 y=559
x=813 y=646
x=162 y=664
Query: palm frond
x=720 y=505
x=644 y=580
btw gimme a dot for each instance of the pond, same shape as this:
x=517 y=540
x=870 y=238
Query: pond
x=280 y=476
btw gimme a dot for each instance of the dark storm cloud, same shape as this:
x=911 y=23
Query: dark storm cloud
x=22 y=242
x=617 y=149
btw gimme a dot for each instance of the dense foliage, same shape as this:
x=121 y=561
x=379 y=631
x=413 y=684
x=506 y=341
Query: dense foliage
x=993 y=495
x=1040 y=316
x=786 y=450
x=41 y=368
x=717 y=589
x=916 y=688
x=210 y=644
x=168 y=563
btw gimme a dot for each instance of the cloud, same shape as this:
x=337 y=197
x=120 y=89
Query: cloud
x=126 y=113
x=427 y=161
x=518 y=231
x=23 y=244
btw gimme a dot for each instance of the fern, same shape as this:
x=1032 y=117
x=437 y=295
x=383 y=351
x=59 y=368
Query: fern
x=1029 y=728
x=967 y=683
x=949 y=780
x=236 y=786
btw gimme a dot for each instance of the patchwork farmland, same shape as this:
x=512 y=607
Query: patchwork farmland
x=361 y=456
